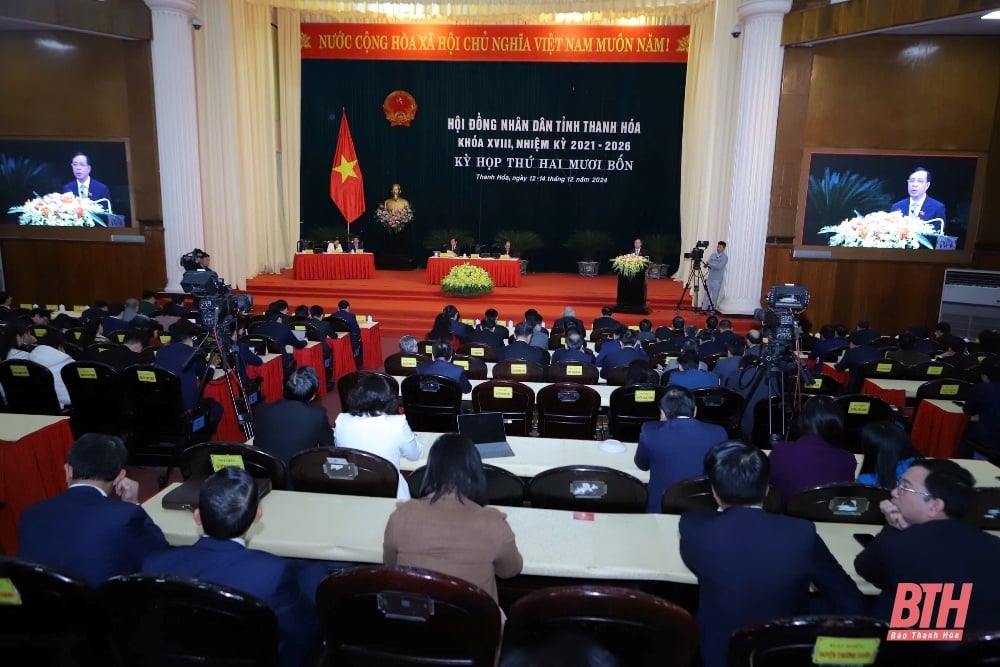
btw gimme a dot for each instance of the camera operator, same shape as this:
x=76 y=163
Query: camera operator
x=716 y=264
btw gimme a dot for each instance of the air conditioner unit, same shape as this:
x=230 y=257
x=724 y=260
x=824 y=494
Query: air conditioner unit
x=970 y=301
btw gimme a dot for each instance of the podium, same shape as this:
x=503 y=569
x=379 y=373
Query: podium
x=632 y=294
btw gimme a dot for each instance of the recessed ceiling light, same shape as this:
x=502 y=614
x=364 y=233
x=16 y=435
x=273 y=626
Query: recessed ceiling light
x=992 y=16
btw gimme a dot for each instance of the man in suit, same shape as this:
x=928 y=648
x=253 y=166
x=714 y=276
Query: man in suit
x=753 y=566
x=441 y=365
x=926 y=541
x=84 y=530
x=637 y=248
x=918 y=205
x=865 y=329
x=858 y=353
x=674 y=448
x=355 y=245
x=984 y=400
x=605 y=321
x=521 y=349
x=575 y=351
x=726 y=333
x=690 y=376
x=121 y=356
x=569 y=320
x=453 y=247
x=228 y=505
x=83 y=185
x=275 y=328
x=828 y=342
x=907 y=354
x=179 y=357
x=489 y=332
x=730 y=363
x=628 y=351
x=344 y=313
x=508 y=250
x=286 y=427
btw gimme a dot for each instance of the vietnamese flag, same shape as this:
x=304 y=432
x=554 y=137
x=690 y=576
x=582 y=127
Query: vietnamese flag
x=347 y=189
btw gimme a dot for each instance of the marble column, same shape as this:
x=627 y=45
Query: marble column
x=760 y=86
x=177 y=131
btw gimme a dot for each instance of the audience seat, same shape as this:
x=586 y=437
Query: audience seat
x=884 y=368
x=515 y=400
x=364 y=475
x=977 y=649
x=403 y=363
x=502 y=486
x=617 y=375
x=859 y=410
x=57 y=623
x=166 y=621
x=718 y=405
x=587 y=489
x=565 y=371
x=632 y=406
x=984 y=512
x=695 y=495
x=635 y=627
x=196 y=461
x=375 y=615
x=482 y=351
x=95 y=403
x=598 y=335
x=931 y=370
x=347 y=382
x=519 y=370
x=431 y=403
x=475 y=367
x=557 y=339
x=30 y=388
x=839 y=503
x=822 y=384
x=948 y=389
x=567 y=410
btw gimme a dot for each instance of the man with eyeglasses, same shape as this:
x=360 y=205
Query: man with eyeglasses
x=83 y=185
x=918 y=204
x=926 y=541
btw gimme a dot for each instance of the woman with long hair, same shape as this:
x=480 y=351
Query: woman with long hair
x=888 y=454
x=448 y=528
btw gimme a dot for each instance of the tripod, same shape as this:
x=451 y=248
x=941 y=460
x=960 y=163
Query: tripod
x=229 y=360
x=695 y=281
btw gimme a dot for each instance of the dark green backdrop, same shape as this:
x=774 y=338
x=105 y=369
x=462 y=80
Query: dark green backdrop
x=421 y=157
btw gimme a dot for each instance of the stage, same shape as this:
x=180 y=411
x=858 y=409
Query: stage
x=404 y=304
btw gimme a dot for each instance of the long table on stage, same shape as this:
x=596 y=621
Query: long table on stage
x=33 y=450
x=333 y=266
x=504 y=272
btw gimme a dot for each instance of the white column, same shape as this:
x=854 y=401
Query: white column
x=760 y=86
x=177 y=131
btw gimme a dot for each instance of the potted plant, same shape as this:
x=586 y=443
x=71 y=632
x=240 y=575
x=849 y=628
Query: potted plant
x=663 y=251
x=522 y=241
x=588 y=242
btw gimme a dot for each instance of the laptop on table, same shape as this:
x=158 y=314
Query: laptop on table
x=486 y=430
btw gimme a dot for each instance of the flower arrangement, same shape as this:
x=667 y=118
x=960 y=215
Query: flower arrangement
x=62 y=209
x=629 y=265
x=394 y=220
x=881 y=230
x=466 y=280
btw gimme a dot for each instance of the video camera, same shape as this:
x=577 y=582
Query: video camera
x=221 y=311
x=216 y=301
x=697 y=252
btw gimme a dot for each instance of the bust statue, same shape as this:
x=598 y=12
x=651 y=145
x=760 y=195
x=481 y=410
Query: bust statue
x=396 y=202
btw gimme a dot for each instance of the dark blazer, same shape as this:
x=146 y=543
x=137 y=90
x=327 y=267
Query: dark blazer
x=984 y=400
x=621 y=357
x=97 y=190
x=584 y=356
x=496 y=338
x=172 y=357
x=945 y=551
x=457 y=248
x=270 y=578
x=606 y=323
x=286 y=427
x=693 y=379
x=825 y=346
x=852 y=361
x=449 y=370
x=352 y=323
x=673 y=450
x=521 y=350
x=117 y=356
x=565 y=323
x=85 y=533
x=931 y=209
x=744 y=577
x=282 y=334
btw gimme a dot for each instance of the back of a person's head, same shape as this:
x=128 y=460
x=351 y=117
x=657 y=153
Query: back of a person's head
x=677 y=323
x=148 y=294
x=523 y=329
x=989 y=341
x=907 y=341
x=441 y=328
x=805 y=326
x=827 y=332
x=343 y=304
x=97 y=456
x=736 y=347
x=754 y=337
x=711 y=322
x=450 y=311
x=687 y=360
x=725 y=325
x=606 y=311
x=371 y=396
x=569 y=312
x=738 y=472
x=316 y=311
x=943 y=327
x=491 y=314
x=302 y=310
x=690 y=331
x=278 y=306
x=454 y=466
x=883 y=445
x=134 y=337
x=628 y=338
x=824 y=417
x=990 y=367
x=645 y=325
x=858 y=339
x=181 y=331
x=52 y=338
x=662 y=333
x=574 y=341
x=950 y=482
x=408 y=345
x=302 y=384
x=864 y=324
x=677 y=402
x=227 y=503
x=840 y=330
x=640 y=372
x=442 y=350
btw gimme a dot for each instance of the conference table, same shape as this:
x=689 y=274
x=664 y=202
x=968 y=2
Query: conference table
x=33 y=451
x=218 y=390
x=938 y=427
x=333 y=266
x=371 y=345
x=603 y=390
x=504 y=272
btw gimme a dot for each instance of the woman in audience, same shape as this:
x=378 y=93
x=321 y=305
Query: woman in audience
x=372 y=424
x=17 y=341
x=442 y=331
x=448 y=528
x=814 y=458
x=888 y=454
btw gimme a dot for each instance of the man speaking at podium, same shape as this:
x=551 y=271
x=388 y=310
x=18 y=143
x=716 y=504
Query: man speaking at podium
x=85 y=186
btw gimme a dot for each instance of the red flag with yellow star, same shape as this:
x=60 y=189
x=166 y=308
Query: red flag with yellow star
x=347 y=189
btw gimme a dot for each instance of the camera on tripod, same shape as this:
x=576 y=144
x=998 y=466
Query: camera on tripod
x=216 y=301
x=697 y=252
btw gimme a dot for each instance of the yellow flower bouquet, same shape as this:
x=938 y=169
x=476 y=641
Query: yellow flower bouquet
x=467 y=280
x=61 y=209
x=629 y=265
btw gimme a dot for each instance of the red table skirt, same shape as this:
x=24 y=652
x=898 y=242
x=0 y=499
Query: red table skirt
x=840 y=376
x=333 y=266
x=343 y=357
x=273 y=386
x=936 y=432
x=895 y=397
x=31 y=469
x=313 y=356
x=504 y=272
x=371 y=342
x=228 y=428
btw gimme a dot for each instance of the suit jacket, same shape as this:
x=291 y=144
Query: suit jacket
x=83 y=532
x=673 y=450
x=984 y=400
x=172 y=357
x=852 y=361
x=945 y=551
x=807 y=462
x=270 y=578
x=449 y=370
x=117 y=356
x=825 y=346
x=606 y=323
x=282 y=334
x=693 y=379
x=908 y=357
x=583 y=356
x=286 y=427
x=352 y=322
x=496 y=338
x=745 y=577
x=565 y=323
x=521 y=350
x=97 y=190
x=621 y=357
x=930 y=210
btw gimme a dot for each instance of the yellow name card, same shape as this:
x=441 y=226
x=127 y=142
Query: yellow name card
x=429 y=349
x=645 y=395
x=25 y=306
x=8 y=592
x=847 y=651
x=408 y=362
x=519 y=369
x=471 y=322
x=815 y=384
x=220 y=461
x=574 y=369
x=361 y=319
x=949 y=390
x=477 y=352
x=464 y=363
x=165 y=339
x=858 y=408
x=883 y=368
x=146 y=376
x=51 y=306
x=19 y=371
x=503 y=392
x=86 y=373
x=39 y=331
x=79 y=309
x=299 y=327
x=474 y=255
x=935 y=370
x=308 y=251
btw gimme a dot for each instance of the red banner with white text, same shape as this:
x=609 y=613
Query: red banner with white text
x=533 y=43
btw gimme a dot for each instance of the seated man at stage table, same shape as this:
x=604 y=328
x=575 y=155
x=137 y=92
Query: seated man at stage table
x=927 y=541
x=84 y=530
x=443 y=352
x=674 y=447
x=753 y=566
x=286 y=427
x=228 y=505
x=521 y=349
